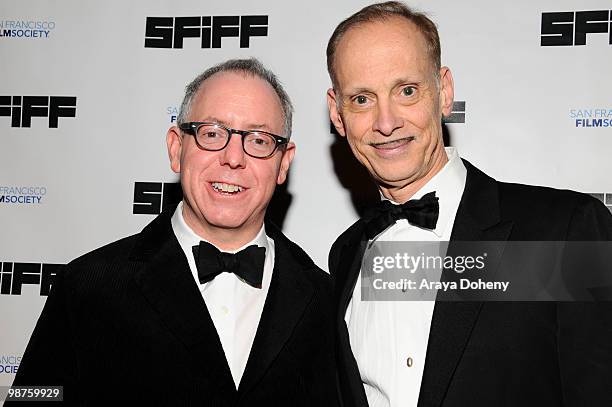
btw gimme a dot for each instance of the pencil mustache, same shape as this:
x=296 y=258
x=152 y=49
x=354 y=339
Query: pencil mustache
x=384 y=143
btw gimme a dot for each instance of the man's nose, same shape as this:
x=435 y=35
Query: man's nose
x=387 y=118
x=233 y=154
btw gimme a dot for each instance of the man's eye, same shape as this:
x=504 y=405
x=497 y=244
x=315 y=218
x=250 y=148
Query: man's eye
x=408 y=91
x=260 y=141
x=360 y=100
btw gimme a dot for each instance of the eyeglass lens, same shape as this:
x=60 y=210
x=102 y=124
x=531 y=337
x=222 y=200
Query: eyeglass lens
x=212 y=137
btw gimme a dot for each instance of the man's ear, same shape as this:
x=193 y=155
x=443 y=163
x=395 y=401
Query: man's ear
x=447 y=91
x=288 y=155
x=334 y=114
x=174 y=141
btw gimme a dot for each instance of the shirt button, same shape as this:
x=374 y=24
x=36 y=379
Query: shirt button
x=409 y=361
x=224 y=310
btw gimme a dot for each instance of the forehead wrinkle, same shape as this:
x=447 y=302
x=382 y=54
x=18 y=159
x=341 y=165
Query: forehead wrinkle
x=262 y=126
x=238 y=106
x=214 y=119
x=380 y=70
x=361 y=43
x=355 y=91
x=397 y=82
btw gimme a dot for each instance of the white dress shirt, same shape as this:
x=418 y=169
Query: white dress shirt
x=234 y=306
x=388 y=336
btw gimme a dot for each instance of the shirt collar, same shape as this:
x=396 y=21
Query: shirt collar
x=188 y=238
x=448 y=184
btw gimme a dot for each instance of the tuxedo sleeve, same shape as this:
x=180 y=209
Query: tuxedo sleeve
x=585 y=328
x=49 y=358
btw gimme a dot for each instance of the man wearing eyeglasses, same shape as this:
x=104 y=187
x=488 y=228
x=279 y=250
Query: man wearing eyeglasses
x=207 y=305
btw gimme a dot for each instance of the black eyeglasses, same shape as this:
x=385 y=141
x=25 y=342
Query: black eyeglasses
x=215 y=137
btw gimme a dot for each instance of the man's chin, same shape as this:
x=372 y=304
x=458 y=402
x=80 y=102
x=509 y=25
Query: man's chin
x=395 y=179
x=227 y=224
x=217 y=221
x=233 y=222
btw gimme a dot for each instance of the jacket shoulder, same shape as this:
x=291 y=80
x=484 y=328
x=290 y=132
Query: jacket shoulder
x=559 y=214
x=111 y=251
x=346 y=238
x=540 y=199
x=306 y=265
x=99 y=266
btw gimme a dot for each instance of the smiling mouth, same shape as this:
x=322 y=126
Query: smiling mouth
x=229 y=189
x=390 y=145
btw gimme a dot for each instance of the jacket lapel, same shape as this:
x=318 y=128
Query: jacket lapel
x=478 y=219
x=349 y=265
x=288 y=297
x=168 y=285
x=346 y=273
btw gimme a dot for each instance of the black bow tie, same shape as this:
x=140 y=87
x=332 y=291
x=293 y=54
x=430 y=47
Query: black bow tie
x=246 y=264
x=419 y=212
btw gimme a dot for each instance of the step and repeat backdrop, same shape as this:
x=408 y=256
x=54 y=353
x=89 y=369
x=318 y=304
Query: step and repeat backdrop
x=89 y=88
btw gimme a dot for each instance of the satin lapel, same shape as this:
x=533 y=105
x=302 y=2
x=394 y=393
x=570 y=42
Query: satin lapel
x=345 y=277
x=288 y=297
x=168 y=285
x=478 y=219
x=348 y=269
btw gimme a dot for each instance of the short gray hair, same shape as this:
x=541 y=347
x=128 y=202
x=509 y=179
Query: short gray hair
x=250 y=66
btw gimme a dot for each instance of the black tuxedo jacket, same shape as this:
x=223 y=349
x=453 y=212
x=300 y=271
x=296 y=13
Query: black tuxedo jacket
x=500 y=353
x=127 y=322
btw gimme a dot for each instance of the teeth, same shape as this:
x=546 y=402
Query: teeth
x=219 y=186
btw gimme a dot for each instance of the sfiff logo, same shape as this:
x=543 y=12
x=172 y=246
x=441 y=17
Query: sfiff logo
x=570 y=28
x=26 y=29
x=13 y=276
x=24 y=195
x=21 y=109
x=591 y=118
x=150 y=198
x=169 y=32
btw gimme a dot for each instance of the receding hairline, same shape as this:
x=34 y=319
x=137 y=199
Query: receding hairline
x=246 y=75
x=382 y=20
x=249 y=66
x=378 y=13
